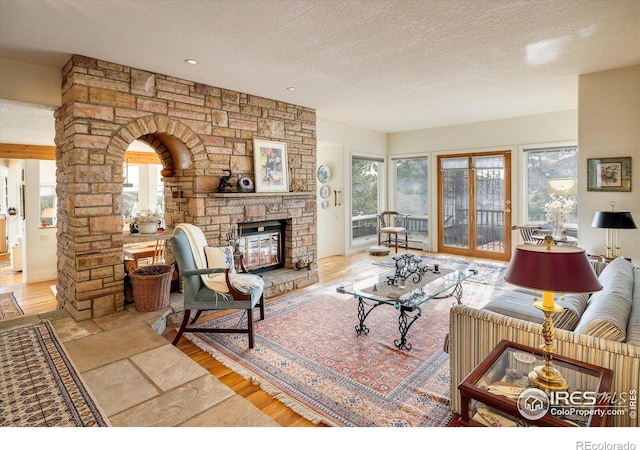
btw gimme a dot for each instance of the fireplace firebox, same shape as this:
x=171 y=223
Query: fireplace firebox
x=262 y=245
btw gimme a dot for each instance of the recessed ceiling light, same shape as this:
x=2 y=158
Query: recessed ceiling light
x=191 y=61
x=291 y=89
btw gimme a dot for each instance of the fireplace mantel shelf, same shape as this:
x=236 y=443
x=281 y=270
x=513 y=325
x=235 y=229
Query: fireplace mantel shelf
x=261 y=194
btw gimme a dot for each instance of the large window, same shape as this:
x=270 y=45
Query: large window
x=551 y=172
x=366 y=191
x=411 y=196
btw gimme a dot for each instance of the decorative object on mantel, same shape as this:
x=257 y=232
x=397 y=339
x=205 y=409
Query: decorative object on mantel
x=270 y=163
x=225 y=183
x=609 y=174
x=299 y=185
x=245 y=184
x=324 y=174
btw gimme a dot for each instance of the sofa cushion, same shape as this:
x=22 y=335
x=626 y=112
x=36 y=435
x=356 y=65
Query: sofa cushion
x=518 y=303
x=633 y=326
x=608 y=310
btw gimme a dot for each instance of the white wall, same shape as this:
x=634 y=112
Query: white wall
x=353 y=141
x=552 y=127
x=30 y=83
x=331 y=232
x=609 y=126
x=40 y=244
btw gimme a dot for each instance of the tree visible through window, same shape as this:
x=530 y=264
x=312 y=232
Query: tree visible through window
x=365 y=195
x=551 y=171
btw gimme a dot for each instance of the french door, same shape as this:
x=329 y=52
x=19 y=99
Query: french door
x=474 y=210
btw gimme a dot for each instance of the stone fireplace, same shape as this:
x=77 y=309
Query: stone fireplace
x=198 y=131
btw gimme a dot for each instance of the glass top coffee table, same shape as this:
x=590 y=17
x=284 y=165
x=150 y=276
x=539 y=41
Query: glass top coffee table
x=406 y=289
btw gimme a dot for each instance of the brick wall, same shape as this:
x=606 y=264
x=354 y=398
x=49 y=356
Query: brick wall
x=197 y=131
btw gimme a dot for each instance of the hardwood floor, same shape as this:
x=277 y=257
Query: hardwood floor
x=36 y=298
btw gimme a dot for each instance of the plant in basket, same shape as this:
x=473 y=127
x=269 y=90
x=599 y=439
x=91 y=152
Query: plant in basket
x=151 y=286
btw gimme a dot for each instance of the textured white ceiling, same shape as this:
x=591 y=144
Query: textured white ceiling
x=380 y=65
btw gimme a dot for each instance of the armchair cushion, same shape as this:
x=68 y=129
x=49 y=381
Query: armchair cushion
x=222 y=258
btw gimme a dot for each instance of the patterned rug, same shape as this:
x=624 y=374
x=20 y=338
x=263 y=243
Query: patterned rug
x=39 y=385
x=488 y=272
x=9 y=306
x=308 y=355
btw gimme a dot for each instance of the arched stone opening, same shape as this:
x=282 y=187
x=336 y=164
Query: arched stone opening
x=97 y=289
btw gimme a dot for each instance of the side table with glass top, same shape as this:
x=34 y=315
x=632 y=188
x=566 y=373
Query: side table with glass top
x=497 y=392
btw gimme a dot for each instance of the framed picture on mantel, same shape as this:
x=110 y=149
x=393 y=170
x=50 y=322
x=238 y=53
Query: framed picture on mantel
x=270 y=161
x=609 y=174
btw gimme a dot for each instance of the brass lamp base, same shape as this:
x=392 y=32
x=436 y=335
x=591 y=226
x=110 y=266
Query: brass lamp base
x=545 y=377
x=553 y=381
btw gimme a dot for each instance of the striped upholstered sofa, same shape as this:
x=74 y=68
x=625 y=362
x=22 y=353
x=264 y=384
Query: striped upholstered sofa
x=601 y=329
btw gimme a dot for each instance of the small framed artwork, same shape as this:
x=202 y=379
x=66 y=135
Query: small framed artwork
x=609 y=174
x=270 y=161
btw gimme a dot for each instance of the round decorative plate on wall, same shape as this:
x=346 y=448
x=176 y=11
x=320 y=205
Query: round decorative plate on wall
x=323 y=174
x=325 y=205
x=245 y=184
x=324 y=191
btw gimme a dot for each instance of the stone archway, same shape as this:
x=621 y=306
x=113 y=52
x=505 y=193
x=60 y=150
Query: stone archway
x=91 y=284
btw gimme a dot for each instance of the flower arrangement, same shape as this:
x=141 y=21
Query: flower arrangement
x=558 y=210
x=147 y=215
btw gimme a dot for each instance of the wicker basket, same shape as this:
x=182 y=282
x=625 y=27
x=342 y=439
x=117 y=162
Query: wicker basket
x=151 y=286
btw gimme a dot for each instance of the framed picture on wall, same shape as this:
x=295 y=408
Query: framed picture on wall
x=270 y=161
x=609 y=174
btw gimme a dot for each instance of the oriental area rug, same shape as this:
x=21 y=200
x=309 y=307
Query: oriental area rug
x=9 y=306
x=39 y=385
x=308 y=355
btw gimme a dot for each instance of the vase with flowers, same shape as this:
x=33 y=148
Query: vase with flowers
x=558 y=209
x=147 y=221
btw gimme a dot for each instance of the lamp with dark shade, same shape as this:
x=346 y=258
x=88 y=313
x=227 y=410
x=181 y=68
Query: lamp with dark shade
x=551 y=269
x=613 y=221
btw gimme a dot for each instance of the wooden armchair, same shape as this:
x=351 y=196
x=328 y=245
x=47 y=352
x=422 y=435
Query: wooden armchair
x=210 y=282
x=392 y=229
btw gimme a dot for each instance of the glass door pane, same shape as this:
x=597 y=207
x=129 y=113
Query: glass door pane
x=411 y=196
x=455 y=202
x=489 y=203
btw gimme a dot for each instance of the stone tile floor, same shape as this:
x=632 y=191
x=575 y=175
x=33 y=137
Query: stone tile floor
x=139 y=379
